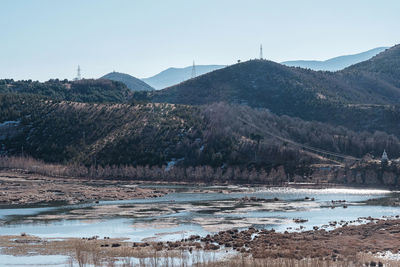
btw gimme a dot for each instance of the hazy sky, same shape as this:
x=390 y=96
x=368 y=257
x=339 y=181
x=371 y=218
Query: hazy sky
x=42 y=39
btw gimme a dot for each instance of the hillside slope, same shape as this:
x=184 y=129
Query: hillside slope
x=131 y=82
x=336 y=63
x=215 y=135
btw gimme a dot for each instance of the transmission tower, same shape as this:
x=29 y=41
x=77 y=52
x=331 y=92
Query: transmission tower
x=193 y=70
x=78 y=74
x=261 y=53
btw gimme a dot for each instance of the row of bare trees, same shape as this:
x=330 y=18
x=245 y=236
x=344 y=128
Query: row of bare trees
x=154 y=173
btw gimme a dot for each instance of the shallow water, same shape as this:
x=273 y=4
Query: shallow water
x=185 y=213
x=34 y=260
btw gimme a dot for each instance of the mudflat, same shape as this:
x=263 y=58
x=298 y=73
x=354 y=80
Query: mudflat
x=22 y=188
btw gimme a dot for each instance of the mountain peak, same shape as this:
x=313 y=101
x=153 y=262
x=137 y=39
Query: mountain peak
x=131 y=82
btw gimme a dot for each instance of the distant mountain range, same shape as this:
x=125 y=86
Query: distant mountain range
x=131 y=82
x=174 y=76
x=336 y=63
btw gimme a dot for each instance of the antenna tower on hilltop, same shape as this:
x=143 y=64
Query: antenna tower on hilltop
x=261 y=53
x=78 y=74
x=193 y=70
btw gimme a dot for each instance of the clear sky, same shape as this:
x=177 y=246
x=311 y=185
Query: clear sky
x=43 y=39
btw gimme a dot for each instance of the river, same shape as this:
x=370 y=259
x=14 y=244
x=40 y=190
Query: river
x=196 y=211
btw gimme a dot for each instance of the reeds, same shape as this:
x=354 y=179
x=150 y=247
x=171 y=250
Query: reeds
x=88 y=255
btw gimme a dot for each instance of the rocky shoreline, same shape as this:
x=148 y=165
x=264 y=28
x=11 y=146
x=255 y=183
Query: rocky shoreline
x=343 y=244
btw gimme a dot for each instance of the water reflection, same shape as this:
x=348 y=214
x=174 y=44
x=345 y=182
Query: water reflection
x=194 y=210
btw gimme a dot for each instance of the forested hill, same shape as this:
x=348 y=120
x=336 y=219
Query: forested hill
x=385 y=62
x=217 y=135
x=88 y=90
x=261 y=83
x=364 y=91
x=380 y=74
x=229 y=118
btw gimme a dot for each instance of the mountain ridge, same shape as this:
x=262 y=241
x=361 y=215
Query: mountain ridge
x=335 y=63
x=346 y=86
x=173 y=75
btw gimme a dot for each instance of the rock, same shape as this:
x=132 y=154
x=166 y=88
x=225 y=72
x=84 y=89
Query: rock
x=299 y=220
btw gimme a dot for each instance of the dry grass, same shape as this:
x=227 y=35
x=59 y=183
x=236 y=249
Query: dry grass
x=156 y=259
x=95 y=253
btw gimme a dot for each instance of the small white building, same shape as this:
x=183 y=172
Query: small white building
x=384 y=156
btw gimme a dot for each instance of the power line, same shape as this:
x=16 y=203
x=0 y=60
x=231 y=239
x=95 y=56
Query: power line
x=314 y=149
